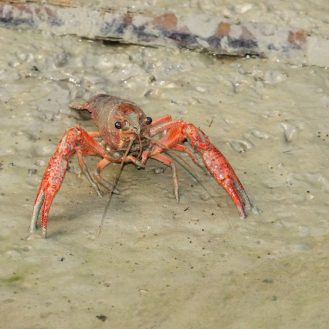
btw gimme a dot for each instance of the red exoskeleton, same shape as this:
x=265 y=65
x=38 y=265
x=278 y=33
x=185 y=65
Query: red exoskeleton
x=126 y=134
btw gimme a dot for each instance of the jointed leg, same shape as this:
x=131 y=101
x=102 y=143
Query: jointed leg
x=169 y=162
x=99 y=167
x=175 y=180
x=86 y=172
x=103 y=164
x=163 y=119
x=185 y=149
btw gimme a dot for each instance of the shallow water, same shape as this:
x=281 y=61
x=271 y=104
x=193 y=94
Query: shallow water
x=159 y=264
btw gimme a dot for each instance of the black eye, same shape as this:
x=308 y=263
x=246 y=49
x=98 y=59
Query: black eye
x=117 y=125
x=148 y=120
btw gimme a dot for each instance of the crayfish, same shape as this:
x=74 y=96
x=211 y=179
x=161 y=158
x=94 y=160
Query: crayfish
x=125 y=134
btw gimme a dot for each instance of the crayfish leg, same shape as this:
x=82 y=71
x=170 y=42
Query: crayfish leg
x=85 y=170
x=170 y=163
x=102 y=181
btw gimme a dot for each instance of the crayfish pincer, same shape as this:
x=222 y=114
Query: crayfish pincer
x=125 y=134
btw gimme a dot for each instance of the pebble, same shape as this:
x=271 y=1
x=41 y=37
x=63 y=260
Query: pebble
x=32 y=172
x=260 y=134
x=289 y=131
x=61 y=59
x=159 y=170
x=242 y=8
x=201 y=89
x=274 y=77
x=240 y=146
x=40 y=163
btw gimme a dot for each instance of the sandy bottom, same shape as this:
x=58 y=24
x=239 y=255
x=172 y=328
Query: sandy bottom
x=159 y=264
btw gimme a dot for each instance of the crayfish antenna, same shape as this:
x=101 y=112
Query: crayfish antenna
x=186 y=166
x=116 y=180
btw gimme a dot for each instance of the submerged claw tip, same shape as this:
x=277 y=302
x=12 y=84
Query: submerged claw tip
x=44 y=232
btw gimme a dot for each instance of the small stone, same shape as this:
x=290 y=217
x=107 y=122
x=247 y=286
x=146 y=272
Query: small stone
x=240 y=145
x=289 y=131
x=242 y=8
x=32 y=172
x=143 y=291
x=201 y=89
x=159 y=170
x=268 y=280
x=274 y=77
x=260 y=134
x=40 y=163
x=101 y=317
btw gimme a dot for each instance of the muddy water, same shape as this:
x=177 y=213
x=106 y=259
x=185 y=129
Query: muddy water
x=159 y=264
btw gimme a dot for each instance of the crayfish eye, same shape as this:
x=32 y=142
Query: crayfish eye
x=148 y=120
x=117 y=125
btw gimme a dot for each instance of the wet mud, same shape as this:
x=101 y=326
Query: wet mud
x=159 y=264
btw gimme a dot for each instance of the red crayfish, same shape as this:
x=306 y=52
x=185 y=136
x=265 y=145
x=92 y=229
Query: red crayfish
x=125 y=134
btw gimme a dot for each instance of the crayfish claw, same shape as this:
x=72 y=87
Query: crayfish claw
x=219 y=168
x=52 y=179
x=36 y=211
x=42 y=205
